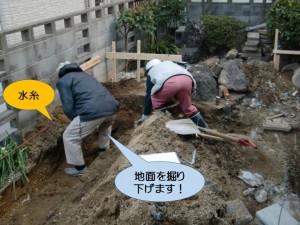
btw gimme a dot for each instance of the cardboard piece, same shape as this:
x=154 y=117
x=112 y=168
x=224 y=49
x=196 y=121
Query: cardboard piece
x=162 y=157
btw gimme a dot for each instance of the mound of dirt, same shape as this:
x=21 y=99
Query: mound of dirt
x=51 y=197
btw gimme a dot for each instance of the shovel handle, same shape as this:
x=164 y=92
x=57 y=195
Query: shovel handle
x=228 y=137
x=211 y=137
x=216 y=133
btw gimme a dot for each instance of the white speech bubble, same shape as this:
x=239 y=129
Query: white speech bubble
x=157 y=181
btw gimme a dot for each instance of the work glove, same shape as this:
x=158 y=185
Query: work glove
x=198 y=120
x=144 y=117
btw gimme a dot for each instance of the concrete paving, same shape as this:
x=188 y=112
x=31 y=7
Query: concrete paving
x=275 y=215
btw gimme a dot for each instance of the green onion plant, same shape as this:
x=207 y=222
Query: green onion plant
x=13 y=159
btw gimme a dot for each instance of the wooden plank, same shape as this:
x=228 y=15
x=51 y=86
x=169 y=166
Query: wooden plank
x=142 y=56
x=89 y=64
x=286 y=52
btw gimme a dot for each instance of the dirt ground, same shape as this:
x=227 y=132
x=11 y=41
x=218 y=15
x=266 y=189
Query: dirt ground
x=51 y=197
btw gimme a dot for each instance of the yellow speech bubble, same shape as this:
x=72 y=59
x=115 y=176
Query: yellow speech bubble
x=29 y=95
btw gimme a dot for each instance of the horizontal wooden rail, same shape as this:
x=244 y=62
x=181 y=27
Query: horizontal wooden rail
x=277 y=52
x=286 y=52
x=136 y=56
x=142 y=56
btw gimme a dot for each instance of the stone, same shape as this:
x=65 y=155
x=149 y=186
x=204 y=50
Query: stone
x=232 y=54
x=249 y=191
x=253 y=35
x=239 y=211
x=254 y=180
x=277 y=124
x=206 y=84
x=290 y=67
x=261 y=196
x=212 y=61
x=233 y=77
x=193 y=34
x=296 y=78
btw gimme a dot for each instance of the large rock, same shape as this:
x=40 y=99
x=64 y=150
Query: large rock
x=239 y=212
x=290 y=67
x=206 y=84
x=193 y=36
x=190 y=55
x=296 y=78
x=233 y=77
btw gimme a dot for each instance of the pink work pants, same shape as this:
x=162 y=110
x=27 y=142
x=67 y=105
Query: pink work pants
x=179 y=86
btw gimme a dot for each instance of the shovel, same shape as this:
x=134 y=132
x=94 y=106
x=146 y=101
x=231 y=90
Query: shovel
x=186 y=126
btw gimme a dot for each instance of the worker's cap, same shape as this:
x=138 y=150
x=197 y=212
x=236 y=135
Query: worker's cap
x=61 y=65
x=152 y=63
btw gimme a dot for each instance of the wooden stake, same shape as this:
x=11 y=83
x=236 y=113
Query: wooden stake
x=138 y=66
x=114 y=63
x=136 y=56
x=276 y=57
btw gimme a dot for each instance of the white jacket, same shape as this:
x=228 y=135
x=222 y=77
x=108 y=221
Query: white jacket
x=163 y=71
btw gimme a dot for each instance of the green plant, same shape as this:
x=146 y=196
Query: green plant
x=168 y=13
x=285 y=16
x=139 y=18
x=12 y=161
x=165 y=46
x=221 y=33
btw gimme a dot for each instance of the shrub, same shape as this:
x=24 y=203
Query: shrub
x=222 y=33
x=285 y=16
x=164 y=46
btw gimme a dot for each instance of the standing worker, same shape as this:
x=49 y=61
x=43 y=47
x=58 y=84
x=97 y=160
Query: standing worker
x=166 y=80
x=88 y=104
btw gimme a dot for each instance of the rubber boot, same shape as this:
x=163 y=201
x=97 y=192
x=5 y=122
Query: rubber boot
x=163 y=110
x=198 y=120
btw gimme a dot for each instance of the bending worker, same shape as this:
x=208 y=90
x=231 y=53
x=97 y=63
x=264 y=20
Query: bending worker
x=166 y=80
x=88 y=104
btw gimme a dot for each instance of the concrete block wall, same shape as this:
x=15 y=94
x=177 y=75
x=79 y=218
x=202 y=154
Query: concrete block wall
x=37 y=56
x=16 y=13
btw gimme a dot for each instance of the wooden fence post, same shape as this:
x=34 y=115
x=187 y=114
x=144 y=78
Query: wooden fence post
x=114 y=63
x=138 y=69
x=276 y=57
x=135 y=56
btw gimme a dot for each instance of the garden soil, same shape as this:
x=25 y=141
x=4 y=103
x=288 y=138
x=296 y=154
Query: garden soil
x=51 y=197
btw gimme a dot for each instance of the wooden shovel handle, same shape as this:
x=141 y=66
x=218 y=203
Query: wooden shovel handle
x=216 y=133
x=211 y=137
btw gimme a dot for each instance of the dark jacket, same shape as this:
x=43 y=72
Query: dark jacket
x=82 y=95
